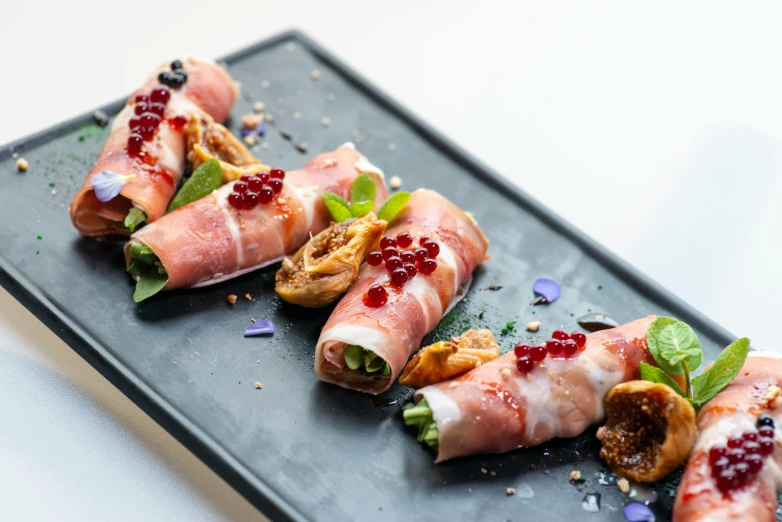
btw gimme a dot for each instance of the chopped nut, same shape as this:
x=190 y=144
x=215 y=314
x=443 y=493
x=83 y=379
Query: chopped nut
x=325 y=121
x=315 y=74
x=253 y=319
x=258 y=386
x=624 y=485
x=533 y=326
x=392 y=146
x=250 y=140
x=248 y=297
x=395 y=182
x=331 y=162
x=251 y=121
x=330 y=97
x=265 y=84
x=453 y=385
x=575 y=475
x=510 y=491
x=505 y=373
x=484 y=470
x=22 y=164
x=259 y=106
x=231 y=298
x=54 y=192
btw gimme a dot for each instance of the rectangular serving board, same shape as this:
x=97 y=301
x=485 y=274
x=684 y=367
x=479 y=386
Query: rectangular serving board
x=299 y=449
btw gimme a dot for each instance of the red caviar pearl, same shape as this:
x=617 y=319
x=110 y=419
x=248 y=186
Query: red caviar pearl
x=749 y=436
x=734 y=443
x=160 y=95
x=538 y=352
x=554 y=347
x=178 y=122
x=569 y=347
x=266 y=195
x=393 y=262
x=404 y=239
x=421 y=254
x=246 y=178
x=766 y=431
x=140 y=108
x=147 y=132
x=377 y=295
x=428 y=266
x=720 y=464
x=263 y=176
x=157 y=108
x=388 y=251
x=407 y=256
x=433 y=248
x=251 y=199
x=766 y=446
x=736 y=455
x=410 y=269
x=277 y=174
x=521 y=350
x=399 y=276
x=423 y=240
x=141 y=98
x=254 y=183
x=240 y=186
x=275 y=185
x=755 y=463
x=580 y=338
x=525 y=364
x=235 y=200
x=135 y=141
x=716 y=453
x=387 y=242
x=751 y=447
x=375 y=258
x=560 y=335
x=134 y=123
x=149 y=119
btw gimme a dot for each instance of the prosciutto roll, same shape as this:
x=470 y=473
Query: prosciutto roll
x=749 y=404
x=154 y=172
x=494 y=408
x=393 y=331
x=209 y=241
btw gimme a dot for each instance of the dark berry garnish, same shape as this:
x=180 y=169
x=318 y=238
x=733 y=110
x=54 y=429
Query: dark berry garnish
x=160 y=95
x=178 y=79
x=410 y=269
x=100 y=118
x=525 y=364
x=277 y=174
x=164 y=78
x=399 y=276
x=387 y=242
x=765 y=420
x=428 y=266
x=266 y=195
x=404 y=239
x=176 y=65
x=376 y=296
x=375 y=258
x=393 y=263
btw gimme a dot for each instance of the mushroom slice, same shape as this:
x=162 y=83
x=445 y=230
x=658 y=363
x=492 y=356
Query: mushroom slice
x=327 y=265
x=649 y=432
x=448 y=359
x=207 y=139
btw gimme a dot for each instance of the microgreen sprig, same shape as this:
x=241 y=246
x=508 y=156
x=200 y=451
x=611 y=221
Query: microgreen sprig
x=362 y=201
x=677 y=350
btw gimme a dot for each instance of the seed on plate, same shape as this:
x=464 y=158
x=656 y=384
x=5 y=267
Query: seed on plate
x=330 y=97
x=54 y=192
x=265 y=84
x=100 y=118
x=231 y=298
x=302 y=147
x=268 y=117
x=248 y=297
x=624 y=485
x=258 y=386
x=395 y=182
x=533 y=326
x=392 y=146
x=265 y=145
x=259 y=106
x=22 y=164
x=315 y=74
x=325 y=121
x=297 y=115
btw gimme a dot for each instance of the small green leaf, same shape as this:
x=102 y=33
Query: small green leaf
x=361 y=208
x=204 y=180
x=339 y=208
x=149 y=284
x=393 y=206
x=672 y=342
x=137 y=268
x=374 y=365
x=654 y=374
x=135 y=217
x=362 y=189
x=354 y=357
x=142 y=253
x=706 y=385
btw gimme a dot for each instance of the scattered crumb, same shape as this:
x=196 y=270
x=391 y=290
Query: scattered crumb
x=575 y=475
x=493 y=473
x=773 y=397
x=392 y=146
x=325 y=121
x=265 y=145
x=510 y=491
x=251 y=121
x=269 y=118
x=484 y=471
x=624 y=485
x=22 y=164
x=258 y=386
x=331 y=162
x=15 y=155
x=265 y=84
x=453 y=385
x=297 y=115
x=250 y=140
x=330 y=97
x=54 y=192
x=290 y=47
x=302 y=147
x=253 y=319
x=600 y=431
x=315 y=74
x=533 y=326
x=231 y=298
x=248 y=297
x=505 y=373
x=259 y=106
x=396 y=182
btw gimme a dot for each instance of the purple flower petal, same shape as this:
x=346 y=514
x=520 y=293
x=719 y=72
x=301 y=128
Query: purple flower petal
x=262 y=327
x=108 y=184
x=246 y=132
x=261 y=128
x=636 y=512
x=547 y=288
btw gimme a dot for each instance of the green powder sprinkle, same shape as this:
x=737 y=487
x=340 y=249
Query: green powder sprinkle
x=37 y=252
x=40 y=237
x=240 y=382
x=599 y=287
x=480 y=315
x=51 y=183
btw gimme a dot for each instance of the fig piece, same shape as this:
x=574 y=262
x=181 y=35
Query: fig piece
x=448 y=359
x=327 y=265
x=649 y=431
x=207 y=139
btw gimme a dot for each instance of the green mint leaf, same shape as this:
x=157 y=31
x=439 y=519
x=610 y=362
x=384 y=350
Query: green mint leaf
x=339 y=208
x=134 y=218
x=393 y=206
x=362 y=189
x=706 y=385
x=361 y=208
x=149 y=284
x=207 y=178
x=654 y=374
x=672 y=342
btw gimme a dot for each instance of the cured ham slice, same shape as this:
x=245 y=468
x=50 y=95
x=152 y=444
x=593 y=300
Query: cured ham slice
x=495 y=408
x=753 y=394
x=209 y=241
x=208 y=89
x=393 y=331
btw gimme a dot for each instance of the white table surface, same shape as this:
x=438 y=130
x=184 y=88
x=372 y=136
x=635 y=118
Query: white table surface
x=654 y=127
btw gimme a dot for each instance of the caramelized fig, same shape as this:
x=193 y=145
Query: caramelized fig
x=448 y=359
x=327 y=265
x=207 y=139
x=649 y=431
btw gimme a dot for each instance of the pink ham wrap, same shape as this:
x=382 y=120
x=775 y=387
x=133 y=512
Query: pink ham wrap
x=209 y=241
x=395 y=330
x=208 y=89
x=494 y=408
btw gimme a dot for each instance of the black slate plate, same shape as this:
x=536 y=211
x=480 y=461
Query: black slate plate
x=300 y=449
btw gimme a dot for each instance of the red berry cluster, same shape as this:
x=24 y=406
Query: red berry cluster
x=560 y=346
x=734 y=465
x=403 y=262
x=148 y=110
x=262 y=188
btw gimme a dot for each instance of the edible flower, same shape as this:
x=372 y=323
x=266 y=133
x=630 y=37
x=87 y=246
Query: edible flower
x=547 y=291
x=108 y=184
x=637 y=512
x=261 y=327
